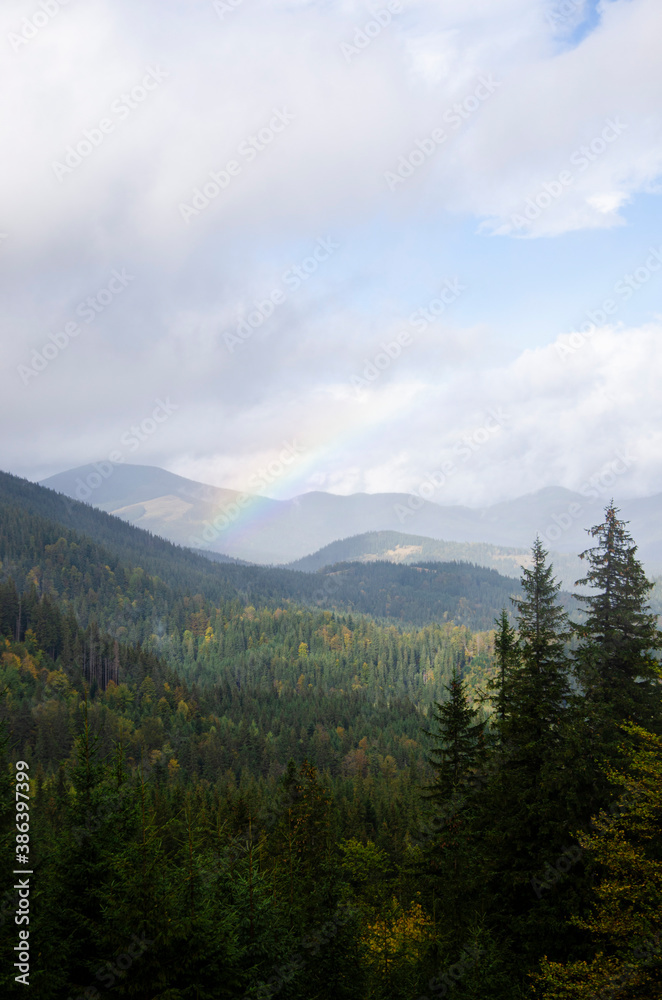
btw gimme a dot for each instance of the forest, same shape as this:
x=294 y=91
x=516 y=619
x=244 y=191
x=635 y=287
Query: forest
x=237 y=791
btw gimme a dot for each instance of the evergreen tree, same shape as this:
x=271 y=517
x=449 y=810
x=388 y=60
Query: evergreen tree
x=506 y=655
x=540 y=686
x=615 y=662
x=299 y=840
x=458 y=751
x=625 y=922
x=536 y=690
x=72 y=867
x=458 y=743
x=529 y=805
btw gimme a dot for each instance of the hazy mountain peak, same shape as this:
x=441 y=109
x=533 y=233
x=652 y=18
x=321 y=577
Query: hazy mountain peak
x=262 y=530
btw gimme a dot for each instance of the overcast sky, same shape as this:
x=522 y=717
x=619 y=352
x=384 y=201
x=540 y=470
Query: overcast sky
x=473 y=185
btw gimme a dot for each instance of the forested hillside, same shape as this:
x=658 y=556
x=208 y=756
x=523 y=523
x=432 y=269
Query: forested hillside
x=203 y=690
x=403 y=548
x=236 y=795
x=33 y=538
x=394 y=546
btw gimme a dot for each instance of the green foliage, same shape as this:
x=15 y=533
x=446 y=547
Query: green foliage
x=228 y=788
x=44 y=537
x=625 y=923
x=615 y=661
x=457 y=753
x=528 y=806
x=506 y=657
x=457 y=743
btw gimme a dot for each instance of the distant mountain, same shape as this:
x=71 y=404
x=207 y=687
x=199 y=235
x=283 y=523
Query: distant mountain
x=144 y=495
x=219 y=557
x=37 y=524
x=261 y=530
x=411 y=549
x=398 y=548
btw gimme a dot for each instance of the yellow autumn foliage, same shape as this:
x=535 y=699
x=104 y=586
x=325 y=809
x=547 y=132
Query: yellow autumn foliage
x=397 y=934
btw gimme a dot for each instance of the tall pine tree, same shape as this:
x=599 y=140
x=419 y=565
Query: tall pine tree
x=506 y=655
x=528 y=808
x=615 y=662
x=458 y=751
x=625 y=919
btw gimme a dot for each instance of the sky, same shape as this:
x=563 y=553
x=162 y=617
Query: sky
x=398 y=242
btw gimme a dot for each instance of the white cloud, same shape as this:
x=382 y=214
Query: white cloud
x=323 y=174
x=351 y=122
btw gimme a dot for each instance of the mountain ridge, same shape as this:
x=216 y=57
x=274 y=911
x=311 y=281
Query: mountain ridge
x=56 y=527
x=279 y=532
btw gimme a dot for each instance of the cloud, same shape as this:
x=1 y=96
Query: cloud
x=184 y=93
x=553 y=416
x=224 y=78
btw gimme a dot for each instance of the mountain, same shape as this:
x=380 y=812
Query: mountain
x=419 y=594
x=393 y=546
x=144 y=495
x=261 y=530
x=158 y=710
x=189 y=725
x=36 y=524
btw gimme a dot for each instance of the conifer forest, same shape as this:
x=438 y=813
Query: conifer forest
x=233 y=790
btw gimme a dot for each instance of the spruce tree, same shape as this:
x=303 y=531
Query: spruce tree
x=535 y=674
x=624 y=919
x=540 y=686
x=457 y=743
x=457 y=753
x=506 y=656
x=528 y=808
x=615 y=662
